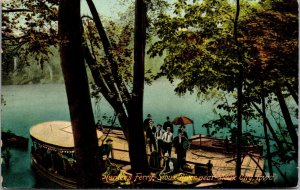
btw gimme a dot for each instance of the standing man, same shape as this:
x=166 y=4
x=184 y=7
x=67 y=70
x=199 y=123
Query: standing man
x=158 y=136
x=182 y=130
x=168 y=124
x=168 y=140
x=146 y=122
x=181 y=145
x=150 y=131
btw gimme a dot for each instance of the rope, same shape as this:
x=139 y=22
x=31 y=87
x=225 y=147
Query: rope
x=112 y=124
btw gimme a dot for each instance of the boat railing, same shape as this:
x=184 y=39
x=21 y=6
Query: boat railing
x=222 y=145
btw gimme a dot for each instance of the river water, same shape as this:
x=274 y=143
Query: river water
x=28 y=105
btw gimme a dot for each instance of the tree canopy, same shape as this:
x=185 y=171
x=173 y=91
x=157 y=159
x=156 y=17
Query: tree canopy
x=197 y=40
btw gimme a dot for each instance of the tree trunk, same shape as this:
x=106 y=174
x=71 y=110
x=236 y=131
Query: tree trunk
x=100 y=82
x=239 y=97
x=133 y=124
x=287 y=117
x=82 y=119
x=266 y=131
x=137 y=145
x=274 y=135
x=107 y=49
x=293 y=92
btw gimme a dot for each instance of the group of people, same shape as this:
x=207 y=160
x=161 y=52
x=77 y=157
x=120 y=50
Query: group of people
x=161 y=139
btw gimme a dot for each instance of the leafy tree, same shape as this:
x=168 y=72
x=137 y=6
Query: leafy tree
x=113 y=82
x=108 y=54
x=29 y=29
x=273 y=40
x=81 y=113
x=204 y=49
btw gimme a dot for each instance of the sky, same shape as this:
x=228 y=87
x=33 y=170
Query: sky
x=107 y=8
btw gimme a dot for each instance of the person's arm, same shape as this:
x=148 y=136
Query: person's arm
x=163 y=137
x=153 y=131
x=147 y=133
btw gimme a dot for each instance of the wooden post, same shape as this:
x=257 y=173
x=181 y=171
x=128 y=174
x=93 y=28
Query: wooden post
x=200 y=140
x=194 y=132
x=112 y=153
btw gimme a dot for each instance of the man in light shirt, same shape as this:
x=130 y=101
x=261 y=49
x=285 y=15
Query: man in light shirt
x=168 y=140
x=158 y=136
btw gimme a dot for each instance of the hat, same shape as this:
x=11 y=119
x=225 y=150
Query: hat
x=109 y=140
x=149 y=115
x=167 y=155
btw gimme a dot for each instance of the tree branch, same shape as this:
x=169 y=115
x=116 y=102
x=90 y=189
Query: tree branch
x=292 y=92
x=15 y=10
x=278 y=142
x=111 y=99
x=107 y=49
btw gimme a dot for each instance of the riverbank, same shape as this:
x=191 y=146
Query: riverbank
x=28 y=105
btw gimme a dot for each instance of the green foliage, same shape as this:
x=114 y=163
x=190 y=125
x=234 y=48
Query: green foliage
x=196 y=40
x=197 y=43
x=29 y=31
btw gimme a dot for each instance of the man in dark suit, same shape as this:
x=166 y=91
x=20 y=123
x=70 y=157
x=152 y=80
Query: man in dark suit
x=168 y=124
x=181 y=145
x=146 y=122
x=150 y=131
x=181 y=129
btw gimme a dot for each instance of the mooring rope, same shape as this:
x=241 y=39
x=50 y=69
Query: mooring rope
x=112 y=124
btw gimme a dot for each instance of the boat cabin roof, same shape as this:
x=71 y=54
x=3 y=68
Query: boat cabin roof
x=58 y=133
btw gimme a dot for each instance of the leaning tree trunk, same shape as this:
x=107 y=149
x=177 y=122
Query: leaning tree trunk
x=82 y=119
x=137 y=147
x=273 y=133
x=239 y=97
x=266 y=130
x=116 y=87
x=292 y=92
x=287 y=117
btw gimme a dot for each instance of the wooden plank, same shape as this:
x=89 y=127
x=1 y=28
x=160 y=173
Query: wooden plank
x=198 y=156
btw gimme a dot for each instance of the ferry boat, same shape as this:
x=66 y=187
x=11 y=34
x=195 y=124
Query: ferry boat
x=53 y=157
x=52 y=152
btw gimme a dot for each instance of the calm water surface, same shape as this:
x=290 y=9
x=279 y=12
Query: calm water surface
x=28 y=105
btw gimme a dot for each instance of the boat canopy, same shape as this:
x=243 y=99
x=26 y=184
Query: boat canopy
x=58 y=133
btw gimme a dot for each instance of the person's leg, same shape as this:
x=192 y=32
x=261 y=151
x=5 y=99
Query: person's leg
x=161 y=153
x=184 y=158
x=178 y=161
x=169 y=148
x=159 y=147
x=163 y=148
x=154 y=145
x=150 y=145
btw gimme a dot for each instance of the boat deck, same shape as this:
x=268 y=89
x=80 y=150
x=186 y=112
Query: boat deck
x=223 y=163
